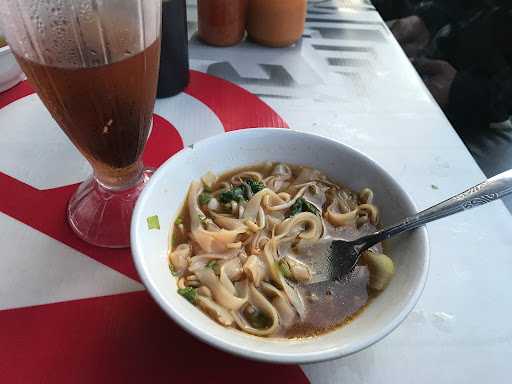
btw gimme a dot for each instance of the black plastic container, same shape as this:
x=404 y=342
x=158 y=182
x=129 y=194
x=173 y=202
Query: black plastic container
x=174 y=67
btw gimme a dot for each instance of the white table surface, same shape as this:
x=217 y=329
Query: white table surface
x=460 y=331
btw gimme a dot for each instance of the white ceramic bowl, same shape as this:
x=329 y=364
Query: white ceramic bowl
x=10 y=72
x=164 y=196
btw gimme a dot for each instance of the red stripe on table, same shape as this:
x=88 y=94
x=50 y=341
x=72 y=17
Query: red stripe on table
x=122 y=338
x=164 y=142
x=21 y=90
x=45 y=210
x=235 y=107
x=117 y=339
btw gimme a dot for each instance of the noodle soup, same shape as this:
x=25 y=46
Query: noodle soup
x=235 y=250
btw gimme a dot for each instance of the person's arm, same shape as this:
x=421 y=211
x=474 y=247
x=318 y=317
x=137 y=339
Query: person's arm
x=472 y=99
x=414 y=32
x=434 y=14
x=479 y=97
x=438 y=13
x=476 y=100
x=468 y=103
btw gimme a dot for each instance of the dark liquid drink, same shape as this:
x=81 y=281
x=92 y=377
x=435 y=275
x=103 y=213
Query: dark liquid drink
x=105 y=110
x=94 y=65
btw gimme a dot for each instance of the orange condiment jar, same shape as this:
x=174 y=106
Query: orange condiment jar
x=221 y=22
x=276 y=23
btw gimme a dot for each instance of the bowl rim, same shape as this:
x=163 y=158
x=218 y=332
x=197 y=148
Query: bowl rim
x=5 y=49
x=240 y=350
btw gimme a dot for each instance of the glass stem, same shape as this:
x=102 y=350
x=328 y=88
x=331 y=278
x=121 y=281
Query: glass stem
x=119 y=179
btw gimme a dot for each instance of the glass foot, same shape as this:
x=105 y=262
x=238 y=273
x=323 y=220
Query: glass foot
x=101 y=216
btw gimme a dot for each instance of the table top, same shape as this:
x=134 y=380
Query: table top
x=348 y=80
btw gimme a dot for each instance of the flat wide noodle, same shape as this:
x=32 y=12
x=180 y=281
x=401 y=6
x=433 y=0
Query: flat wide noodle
x=220 y=293
x=209 y=241
x=303 y=225
x=245 y=249
x=259 y=301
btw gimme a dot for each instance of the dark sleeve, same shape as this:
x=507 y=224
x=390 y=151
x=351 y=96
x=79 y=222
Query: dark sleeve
x=435 y=15
x=393 y=9
x=477 y=99
x=469 y=97
x=503 y=31
x=438 y=13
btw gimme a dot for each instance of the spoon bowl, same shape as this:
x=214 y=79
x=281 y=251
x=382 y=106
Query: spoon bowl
x=332 y=259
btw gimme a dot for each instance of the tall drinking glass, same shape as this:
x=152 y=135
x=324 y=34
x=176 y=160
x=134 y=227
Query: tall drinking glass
x=94 y=64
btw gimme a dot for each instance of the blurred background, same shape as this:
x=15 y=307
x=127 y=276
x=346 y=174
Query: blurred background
x=462 y=49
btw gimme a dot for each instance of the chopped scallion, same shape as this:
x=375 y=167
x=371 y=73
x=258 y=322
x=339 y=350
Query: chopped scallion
x=153 y=222
x=188 y=293
x=284 y=268
x=173 y=271
x=204 y=198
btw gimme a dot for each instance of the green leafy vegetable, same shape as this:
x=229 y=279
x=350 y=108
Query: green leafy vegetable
x=241 y=192
x=295 y=208
x=308 y=207
x=238 y=194
x=153 y=222
x=211 y=264
x=234 y=194
x=226 y=197
x=188 y=293
x=173 y=271
x=247 y=191
x=178 y=221
x=204 y=198
x=302 y=205
x=258 y=319
x=256 y=186
x=207 y=189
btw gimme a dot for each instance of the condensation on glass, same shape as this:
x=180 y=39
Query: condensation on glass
x=94 y=65
x=80 y=33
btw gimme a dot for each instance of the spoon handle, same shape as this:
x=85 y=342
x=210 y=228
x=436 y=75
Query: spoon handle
x=492 y=189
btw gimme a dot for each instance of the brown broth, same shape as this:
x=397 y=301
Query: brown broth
x=338 y=303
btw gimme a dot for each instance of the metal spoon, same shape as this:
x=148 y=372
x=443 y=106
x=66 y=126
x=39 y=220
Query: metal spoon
x=332 y=259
